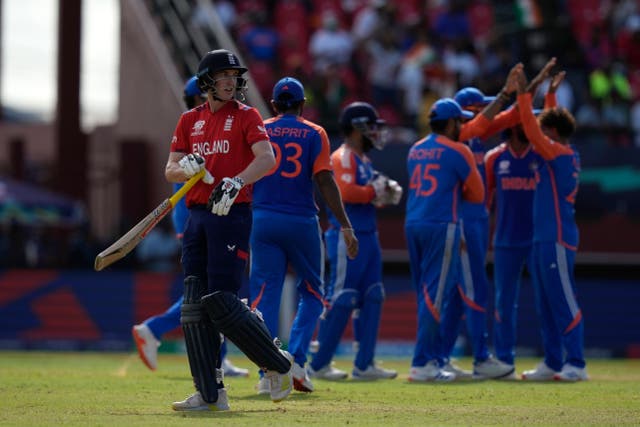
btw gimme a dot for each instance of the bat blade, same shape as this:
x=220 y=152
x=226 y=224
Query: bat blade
x=130 y=240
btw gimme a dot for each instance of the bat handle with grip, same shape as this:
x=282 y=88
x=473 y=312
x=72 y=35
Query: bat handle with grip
x=186 y=187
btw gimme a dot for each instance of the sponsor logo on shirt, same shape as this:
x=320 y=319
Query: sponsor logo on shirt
x=197 y=128
x=174 y=140
x=533 y=166
x=503 y=167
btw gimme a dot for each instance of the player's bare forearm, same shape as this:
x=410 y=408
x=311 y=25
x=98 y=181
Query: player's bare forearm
x=261 y=164
x=331 y=195
x=533 y=85
x=504 y=95
x=556 y=80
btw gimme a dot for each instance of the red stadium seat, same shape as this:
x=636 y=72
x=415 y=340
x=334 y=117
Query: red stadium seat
x=243 y=6
x=407 y=10
x=263 y=76
x=289 y=13
x=585 y=14
x=481 y=18
x=390 y=114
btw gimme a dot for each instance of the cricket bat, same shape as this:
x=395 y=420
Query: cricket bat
x=130 y=240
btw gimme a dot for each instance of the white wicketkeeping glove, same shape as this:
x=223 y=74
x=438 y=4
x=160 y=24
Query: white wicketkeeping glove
x=395 y=192
x=379 y=184
x=223 y=196
x=191 y=164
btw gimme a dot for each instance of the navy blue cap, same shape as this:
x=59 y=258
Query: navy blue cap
x=471 y=96
x=289 y=90
x=191 y=87
x=448 y=108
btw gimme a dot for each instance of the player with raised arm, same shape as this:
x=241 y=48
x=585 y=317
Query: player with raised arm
x=231 y=139
x=441 y=178
x=148 y=334
x=555 y=240
x=356 y=284
x=471 y=297
x=510 y=171
x=286 y=229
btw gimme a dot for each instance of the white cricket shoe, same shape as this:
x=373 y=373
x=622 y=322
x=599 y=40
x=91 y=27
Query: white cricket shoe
x=328 y=372
x=280 y=385
x=196 y=403
x=461 y=374
x=263 y=386
x=301 y=381
x=430 y=372
x=571 y=373
x=230 y=370
x=540 y=373
x=147 y=345
x=373 y=372
x=491 y=368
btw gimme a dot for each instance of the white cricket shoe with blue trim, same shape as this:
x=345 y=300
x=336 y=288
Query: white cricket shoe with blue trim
x=373 y=372
x=571 y=373
x=540 y=373
x=431 y=372
x=491 y=368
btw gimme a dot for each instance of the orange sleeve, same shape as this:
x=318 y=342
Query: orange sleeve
x=344 y=167
x=323 y=161
x=502 y=121
x=550 y=100
x=474 y=127
x=547 y=148
x=472 y=188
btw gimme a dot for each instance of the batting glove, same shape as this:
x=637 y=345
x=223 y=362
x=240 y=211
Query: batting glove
x=208 y=178
x=191 y=164
x=223 y=196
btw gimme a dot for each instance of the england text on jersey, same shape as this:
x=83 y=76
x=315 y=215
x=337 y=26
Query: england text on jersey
x=215 y=147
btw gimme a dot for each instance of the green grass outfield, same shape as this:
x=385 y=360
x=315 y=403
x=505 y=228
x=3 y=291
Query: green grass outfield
x=115 y=389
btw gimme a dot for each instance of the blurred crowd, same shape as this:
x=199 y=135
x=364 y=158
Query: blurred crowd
x=403 y=55
x=400 y=56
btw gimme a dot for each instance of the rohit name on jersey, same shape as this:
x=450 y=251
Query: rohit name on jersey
x=426 y=153
x=214 y=147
